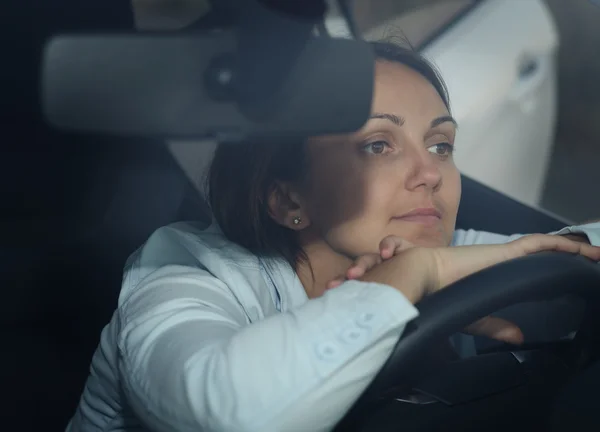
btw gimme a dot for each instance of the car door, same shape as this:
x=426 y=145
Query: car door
x=498 y=60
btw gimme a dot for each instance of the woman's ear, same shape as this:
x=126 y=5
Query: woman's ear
x=285 y=207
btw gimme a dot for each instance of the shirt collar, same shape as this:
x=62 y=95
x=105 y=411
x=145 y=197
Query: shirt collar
x=286 y=283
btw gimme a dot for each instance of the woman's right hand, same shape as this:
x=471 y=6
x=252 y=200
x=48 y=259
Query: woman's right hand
x=430 y=269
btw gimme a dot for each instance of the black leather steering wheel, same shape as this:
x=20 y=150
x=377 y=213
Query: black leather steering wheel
x=536 y=277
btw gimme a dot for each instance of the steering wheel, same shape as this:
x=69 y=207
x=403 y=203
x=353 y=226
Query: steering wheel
x=535 y=277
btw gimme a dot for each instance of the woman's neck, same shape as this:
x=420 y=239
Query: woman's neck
x=322 y=266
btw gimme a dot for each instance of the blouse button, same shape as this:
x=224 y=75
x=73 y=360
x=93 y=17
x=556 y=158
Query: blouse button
x=352 y=335
x=326 y=351
x=365 y=319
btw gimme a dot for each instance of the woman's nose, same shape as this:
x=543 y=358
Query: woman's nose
x=424 y=171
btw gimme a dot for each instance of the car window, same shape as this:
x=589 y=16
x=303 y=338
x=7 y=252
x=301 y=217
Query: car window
x=419 y=21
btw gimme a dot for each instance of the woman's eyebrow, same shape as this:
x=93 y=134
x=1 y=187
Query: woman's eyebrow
x=438 y=121
x=398 y=121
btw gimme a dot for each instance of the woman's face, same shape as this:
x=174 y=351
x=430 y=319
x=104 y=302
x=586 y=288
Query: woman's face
x=396 y=176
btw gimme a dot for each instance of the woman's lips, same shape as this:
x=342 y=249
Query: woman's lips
x=425 y=216
x=425 y=220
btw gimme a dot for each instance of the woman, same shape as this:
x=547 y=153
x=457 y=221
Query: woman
x=280 y=314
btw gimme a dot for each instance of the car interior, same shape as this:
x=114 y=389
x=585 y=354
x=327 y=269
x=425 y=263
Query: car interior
x=75 y=206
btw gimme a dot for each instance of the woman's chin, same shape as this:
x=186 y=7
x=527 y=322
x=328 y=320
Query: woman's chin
x=423 y=234
x=430 y=239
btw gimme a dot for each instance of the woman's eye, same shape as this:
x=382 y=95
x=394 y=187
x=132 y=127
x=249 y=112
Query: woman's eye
x=377 y=147
x=443 y=150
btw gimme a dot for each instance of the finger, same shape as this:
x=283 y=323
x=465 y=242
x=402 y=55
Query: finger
x=393 y=245
x=587 y=250
x=498 y=329
x=539 y=242
x=363 y=265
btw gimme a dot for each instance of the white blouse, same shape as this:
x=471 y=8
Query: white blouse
x=208 y=337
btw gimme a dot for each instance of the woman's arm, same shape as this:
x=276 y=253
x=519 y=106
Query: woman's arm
x=589 y=233
x=190 y=361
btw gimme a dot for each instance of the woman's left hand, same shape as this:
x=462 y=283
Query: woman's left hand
x=389 y=247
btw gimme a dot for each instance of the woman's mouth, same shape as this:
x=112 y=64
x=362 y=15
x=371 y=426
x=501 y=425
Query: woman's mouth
x=424 y=216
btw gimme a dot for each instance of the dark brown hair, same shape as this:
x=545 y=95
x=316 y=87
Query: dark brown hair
x=243 y=175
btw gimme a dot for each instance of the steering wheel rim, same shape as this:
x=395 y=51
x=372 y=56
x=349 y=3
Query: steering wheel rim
x=535 y=277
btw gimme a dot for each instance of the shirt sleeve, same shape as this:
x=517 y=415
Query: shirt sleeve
x=190 y=361
x=472 y=237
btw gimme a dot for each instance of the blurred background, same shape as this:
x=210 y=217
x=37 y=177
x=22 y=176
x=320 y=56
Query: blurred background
x=523 y=82
x=562 y=174
x=573 y=179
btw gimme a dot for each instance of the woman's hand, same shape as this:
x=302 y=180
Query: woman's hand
x=388 y=247
x=454 y=263
x=417 y=271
